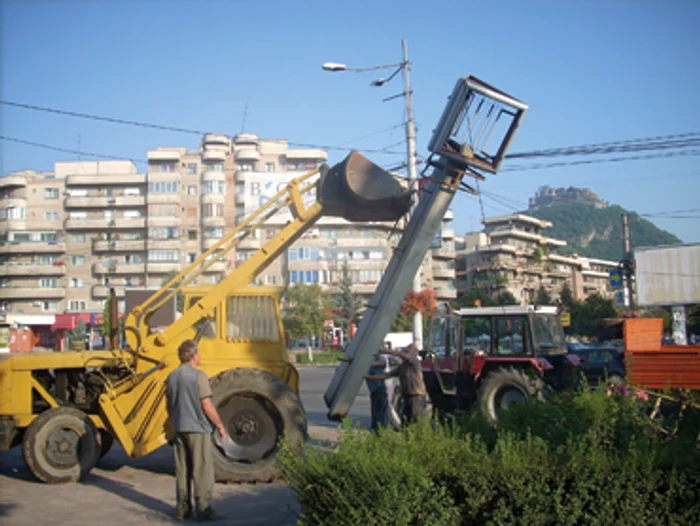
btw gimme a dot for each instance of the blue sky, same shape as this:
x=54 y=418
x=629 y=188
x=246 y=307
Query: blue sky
x=591 y=72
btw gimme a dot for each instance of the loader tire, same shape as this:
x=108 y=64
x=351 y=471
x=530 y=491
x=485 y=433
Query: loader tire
x=257 y=409
x=61 y=445
x=506 y=386
x=106 y=442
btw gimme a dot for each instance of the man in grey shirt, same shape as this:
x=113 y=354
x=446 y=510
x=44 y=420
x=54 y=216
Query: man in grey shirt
x=192 y=414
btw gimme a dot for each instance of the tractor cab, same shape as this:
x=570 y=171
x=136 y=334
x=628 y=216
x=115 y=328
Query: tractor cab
x=469 y=347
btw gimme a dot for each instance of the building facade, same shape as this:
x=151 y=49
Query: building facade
x=512 y=254
x=69 y=236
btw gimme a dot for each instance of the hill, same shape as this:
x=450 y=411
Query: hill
x=595 y=231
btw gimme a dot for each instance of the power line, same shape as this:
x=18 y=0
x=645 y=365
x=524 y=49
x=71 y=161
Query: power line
x=112 y=120
x=66 y=150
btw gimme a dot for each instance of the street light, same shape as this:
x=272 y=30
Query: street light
x=404 y=67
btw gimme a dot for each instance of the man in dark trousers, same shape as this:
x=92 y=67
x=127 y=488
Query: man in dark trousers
x=410 y=376
x=378 y=394
x=192 y=414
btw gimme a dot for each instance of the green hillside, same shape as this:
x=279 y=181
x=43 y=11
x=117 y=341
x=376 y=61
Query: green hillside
x=597 y=232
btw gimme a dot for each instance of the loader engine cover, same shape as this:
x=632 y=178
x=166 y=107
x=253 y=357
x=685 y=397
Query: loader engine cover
x=356 y=189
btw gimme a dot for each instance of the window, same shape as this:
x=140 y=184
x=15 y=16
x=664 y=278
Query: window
x=213 y=233
x=192 y=235
x=192 y=190
x=309 y=276
x=21 y=237
x=510 y=334
x=215 y=167
x=269 y=167
x=48 y=237
x=77 y=305
x=77 y=261
x=192 y=168
x=245 y=167
x=78 y=214
x=11 y=212
x=48 y=283
x=212 y=210
x=251 y=318
x=163 y=255
x=163 y=233
x=77 y=283
x=163 y=187
x=77 y=238
x=51 y=216
x=50 y=193
x=191 y=257
x=477 y=334
x=4 y=306
x=213 y=187
x=47 y=260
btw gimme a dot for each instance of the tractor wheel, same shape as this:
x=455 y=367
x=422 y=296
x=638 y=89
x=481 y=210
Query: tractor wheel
x=106 y=442
x=257 y=408
x=61 y=445
x=504 y=387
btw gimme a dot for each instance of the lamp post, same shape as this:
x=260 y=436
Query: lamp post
x=404 y=67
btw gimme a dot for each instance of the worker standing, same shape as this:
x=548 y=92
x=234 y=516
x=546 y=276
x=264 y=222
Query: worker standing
x=378 y=393
x=410 y=375
x=192 y=414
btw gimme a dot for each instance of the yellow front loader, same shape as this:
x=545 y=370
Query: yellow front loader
x=65 y=409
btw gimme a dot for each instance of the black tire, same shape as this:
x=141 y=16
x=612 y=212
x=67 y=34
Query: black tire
x=257 y=408
x=61 y=445
x=503 y=387
x=106 y=442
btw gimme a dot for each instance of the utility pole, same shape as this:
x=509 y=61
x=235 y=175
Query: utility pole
x=627 y=267
x=412 y=180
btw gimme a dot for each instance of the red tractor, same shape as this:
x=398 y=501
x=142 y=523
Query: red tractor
x=494 y=357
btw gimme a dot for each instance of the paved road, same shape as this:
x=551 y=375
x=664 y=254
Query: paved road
x=122 y=492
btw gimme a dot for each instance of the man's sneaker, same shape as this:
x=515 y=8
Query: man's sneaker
x=209 y=515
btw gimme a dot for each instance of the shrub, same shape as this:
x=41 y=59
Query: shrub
x=592 y=458
x=320 y=357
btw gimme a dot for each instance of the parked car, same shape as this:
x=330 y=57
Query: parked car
x=601 y=364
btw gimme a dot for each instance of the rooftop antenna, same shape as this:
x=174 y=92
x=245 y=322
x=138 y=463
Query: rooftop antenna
x=245 y=117
x=79 y=156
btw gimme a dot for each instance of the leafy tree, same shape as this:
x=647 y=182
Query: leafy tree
x=566 y=296
x=505 y=297
x=304 y=310
x=424 y=302
x=469 y=298
x=543 y=297
x=693 y=321
x=584 y=314
x=347 y=305
x=77 y=336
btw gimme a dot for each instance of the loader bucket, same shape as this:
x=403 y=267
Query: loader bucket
x=356 y=189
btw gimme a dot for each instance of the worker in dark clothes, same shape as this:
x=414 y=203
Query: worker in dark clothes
x=192 y=414
x=410 y=375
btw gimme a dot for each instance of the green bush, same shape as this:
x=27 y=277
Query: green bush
x=592 y=458
x=320 y=357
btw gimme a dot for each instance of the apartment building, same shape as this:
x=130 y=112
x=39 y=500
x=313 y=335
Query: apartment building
x=69 y=236
x=513 y=254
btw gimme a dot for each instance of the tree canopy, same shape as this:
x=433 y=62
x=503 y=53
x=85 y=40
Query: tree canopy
x=305 y=310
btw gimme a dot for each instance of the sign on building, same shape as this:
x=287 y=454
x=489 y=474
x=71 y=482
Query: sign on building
x=261 y=187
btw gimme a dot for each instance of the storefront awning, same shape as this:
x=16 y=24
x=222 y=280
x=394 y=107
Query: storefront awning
x=68 y=322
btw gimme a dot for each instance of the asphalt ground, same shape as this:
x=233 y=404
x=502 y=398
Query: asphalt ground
x=121 y=491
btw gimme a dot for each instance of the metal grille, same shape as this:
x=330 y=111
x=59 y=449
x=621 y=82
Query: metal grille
x=251 y=318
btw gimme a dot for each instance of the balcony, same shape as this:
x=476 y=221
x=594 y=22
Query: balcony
x=13 y=181
x=164 y=155
x=213 y=199
x=215 y=222
x=32 y=247
x=163 y=267
x=19 y=293
x=31 y=269
x=102 y=180
x=240 y=198
x=249 y=243
x=443 y=252
x=102 y=291
x=87 y=223
x=128 y=222
x=446 y=293
x=246 y=138
x=105 y=202
x=15 y=201
x=311 y=154
x=216 y=138
x=164 y=244
x=218 y=267
x=119 y=268
x=213 y=175
x=444 y=273
x=449 y=215
x=161 y=199
x=209 y=242
x=448 y=233
x=247 y=154
x=217 y=154
x=168 y=221
x=118 y=245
